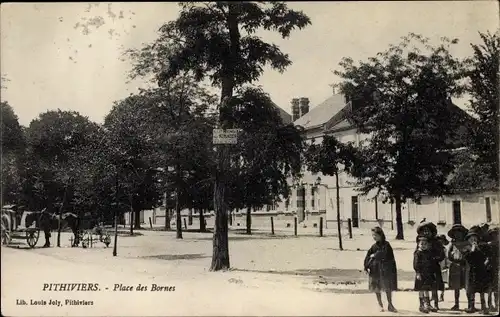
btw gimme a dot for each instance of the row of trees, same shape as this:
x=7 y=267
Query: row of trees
x=419 y=142
x=159 y=140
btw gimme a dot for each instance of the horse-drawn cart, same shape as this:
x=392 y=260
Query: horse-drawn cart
x=12 y=228
x=90 y=231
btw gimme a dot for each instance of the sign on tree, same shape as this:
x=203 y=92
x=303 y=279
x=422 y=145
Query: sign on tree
x=229 y=136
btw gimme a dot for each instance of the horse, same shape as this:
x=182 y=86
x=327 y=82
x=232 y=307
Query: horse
x=50 y=222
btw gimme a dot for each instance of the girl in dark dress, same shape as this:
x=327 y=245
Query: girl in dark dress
x=381 y=267
x=425 y=277
x=456 y=280
x=477 y=275
x=429 y=230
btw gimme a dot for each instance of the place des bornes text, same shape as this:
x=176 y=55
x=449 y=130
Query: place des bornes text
x=94 y=287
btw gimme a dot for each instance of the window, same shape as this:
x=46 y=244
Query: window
x=457 y=213
x=488 y=208
x=287 y=203
x=313 y=190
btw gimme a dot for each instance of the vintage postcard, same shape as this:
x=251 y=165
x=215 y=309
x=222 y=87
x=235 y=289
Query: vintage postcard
x=250 y=158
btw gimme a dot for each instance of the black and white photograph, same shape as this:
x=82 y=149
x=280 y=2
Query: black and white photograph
x=250 y=158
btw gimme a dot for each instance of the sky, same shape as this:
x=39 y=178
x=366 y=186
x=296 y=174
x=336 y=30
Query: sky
x=69 y=56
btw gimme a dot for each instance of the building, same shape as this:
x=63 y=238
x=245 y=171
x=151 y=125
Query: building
x=315 y=195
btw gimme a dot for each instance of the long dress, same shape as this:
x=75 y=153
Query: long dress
x=423 y=264
x=438 y=256
x=492 y=267
x=456 y=278
x=382 y=267
x=477 y=275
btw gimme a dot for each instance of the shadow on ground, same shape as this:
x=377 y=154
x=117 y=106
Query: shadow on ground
x=334 y=276
x=173 y=257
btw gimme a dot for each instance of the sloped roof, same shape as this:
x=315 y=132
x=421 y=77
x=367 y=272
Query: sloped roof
x=285 y=116
x=323 y=112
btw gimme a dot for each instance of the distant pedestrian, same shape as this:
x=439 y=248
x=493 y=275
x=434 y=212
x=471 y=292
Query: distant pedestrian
x=477 y=276
x=456 y=280
x=429 y=230
x=381 y=267
x=425 y=277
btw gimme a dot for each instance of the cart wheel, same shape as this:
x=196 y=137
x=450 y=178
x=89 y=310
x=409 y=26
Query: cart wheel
x=32 y=238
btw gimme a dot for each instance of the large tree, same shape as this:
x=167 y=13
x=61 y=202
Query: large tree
x=128 y=128
x=401 y=99
x=483 y=86
x=267 y=154
x=13 y=146
x=180 y=123
x=331 y=157
x=217 y=41
x=56 y=143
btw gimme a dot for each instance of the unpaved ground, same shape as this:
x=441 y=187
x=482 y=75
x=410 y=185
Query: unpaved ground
x=310 y=273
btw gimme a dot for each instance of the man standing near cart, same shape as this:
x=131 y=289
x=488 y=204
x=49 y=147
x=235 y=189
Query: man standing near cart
x=45 y=224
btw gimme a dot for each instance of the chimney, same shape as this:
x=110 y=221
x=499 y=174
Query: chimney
x=295 y=109
x=304 y=106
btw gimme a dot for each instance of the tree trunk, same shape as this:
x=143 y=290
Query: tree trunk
x=203 y=228
x=230 y=217
x=190 y=217
x=131 y=216
x=137 y=219
x=339 y=227
x=399 y=219
x=178 y=219
x=167 y=219
x=116 y=232
x=59 y=227
x=249 y=220
x=220 y=256
x=167 y=213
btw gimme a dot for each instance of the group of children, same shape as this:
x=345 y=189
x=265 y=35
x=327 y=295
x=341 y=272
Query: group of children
x=469 y=262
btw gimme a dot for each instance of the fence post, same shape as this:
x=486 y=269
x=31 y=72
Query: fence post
x=185 y=224
x=349 y=224
x=272 y=226
x=295 y=225
x=150 y=223
x=320 y=226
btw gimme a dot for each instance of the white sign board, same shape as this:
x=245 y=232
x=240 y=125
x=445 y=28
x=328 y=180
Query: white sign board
x=229 y=136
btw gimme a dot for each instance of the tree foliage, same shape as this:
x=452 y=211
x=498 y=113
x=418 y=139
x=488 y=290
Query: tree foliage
x=402 y=99
x=483 y=86
x=13 y=146
x=54 y=140
x=217 y=41
x=267 y=154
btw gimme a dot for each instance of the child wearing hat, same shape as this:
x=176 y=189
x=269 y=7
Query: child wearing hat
x=456 y=280
x=429 y=230
x=477 y=275
x=425 y=277
x=381 y=267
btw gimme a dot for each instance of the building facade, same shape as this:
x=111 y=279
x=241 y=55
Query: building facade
x=314 y=196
